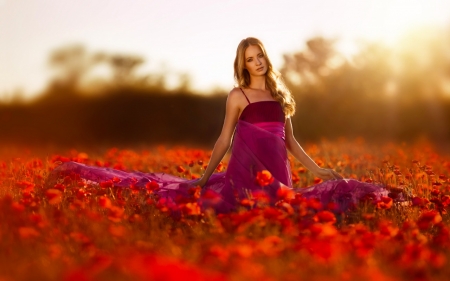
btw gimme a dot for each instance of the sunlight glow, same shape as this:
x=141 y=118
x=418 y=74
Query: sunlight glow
x=201 y=42
x=391 y=88
x=445 y=86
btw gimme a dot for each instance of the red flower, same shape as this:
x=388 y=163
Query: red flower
x=314 y=203
x=27 y=232
x=445 y=200
x=435 y=192
x=117 y=230
x=81 y=194
x=180 y=169
x=211 y=196
x=152 y=186
x=17 y=207
x=325 y=217
x=104 y=202
x=219 y=167
x=107 y=184
x=67 y=179
x=54 y=196
x=368 y=217
x=116 y=213
x=384 y=203
x=264 y=178
x=428 y=218
x=285 y=193
x=59 y=186
x=25 y=185
x=192 y=209
x=116 y=180
x=420 y=202
x=261 y=197
x=317 y=180
x=247 y=202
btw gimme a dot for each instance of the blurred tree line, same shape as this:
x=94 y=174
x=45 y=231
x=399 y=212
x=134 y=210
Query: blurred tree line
x=379 y=92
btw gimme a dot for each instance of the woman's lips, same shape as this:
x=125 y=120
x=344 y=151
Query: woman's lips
x=261 y=68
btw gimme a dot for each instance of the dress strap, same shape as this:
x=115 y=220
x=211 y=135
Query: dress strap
x=245 y=95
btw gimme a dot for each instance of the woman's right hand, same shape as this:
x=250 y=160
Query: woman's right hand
x=199 y=182
x=328 y=174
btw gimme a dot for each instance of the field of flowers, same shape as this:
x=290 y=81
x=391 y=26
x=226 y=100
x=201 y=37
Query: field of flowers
x=77 y=230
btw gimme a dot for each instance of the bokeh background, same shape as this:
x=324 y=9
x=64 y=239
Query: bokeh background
x=147 y=72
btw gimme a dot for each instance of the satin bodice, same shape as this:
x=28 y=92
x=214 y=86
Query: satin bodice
x=267 y=115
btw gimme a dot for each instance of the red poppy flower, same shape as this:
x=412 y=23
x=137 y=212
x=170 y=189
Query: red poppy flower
x=317 y=180
x=59 y=186
x=247 y=203
x=104 y=202
x=180 y=169
x=210 y=196
x=191 y=209
x=107 y=184
x=325 y=217
x=285 y=193
x=25 y=185
x=384 y=203
x=28 y=232
x=116 y=180
x=54 y=196
x=152 y=185
x=264 y=178
x=428 y=218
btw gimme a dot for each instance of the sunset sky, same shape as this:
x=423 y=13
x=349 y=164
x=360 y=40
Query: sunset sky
x=196 y=36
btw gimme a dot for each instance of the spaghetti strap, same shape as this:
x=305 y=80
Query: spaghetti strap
x=245 y=95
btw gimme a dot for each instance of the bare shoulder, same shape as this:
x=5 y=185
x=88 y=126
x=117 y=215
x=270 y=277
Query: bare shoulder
x=236 y=97
x=235 y=93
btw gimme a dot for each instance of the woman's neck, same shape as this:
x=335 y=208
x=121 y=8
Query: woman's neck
x=257 y=83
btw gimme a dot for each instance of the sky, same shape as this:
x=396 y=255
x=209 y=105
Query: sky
x=199 y=37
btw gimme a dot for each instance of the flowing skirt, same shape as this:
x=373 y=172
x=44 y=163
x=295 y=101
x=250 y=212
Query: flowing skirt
x=254 y=150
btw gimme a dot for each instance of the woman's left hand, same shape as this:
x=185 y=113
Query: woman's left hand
x=328 y=174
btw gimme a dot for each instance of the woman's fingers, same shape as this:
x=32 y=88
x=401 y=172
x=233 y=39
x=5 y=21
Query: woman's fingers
x=330 y=174
x=335 y=175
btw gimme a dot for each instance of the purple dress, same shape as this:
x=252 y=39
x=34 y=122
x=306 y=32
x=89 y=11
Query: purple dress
x=258 y=144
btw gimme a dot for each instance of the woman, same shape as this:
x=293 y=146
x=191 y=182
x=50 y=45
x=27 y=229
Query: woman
x=258 y=112
x=255 y=76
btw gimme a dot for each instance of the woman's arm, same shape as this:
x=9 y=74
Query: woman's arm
x=294 y=147
x=224 y=141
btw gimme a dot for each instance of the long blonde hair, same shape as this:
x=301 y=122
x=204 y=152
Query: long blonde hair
x=274 y=81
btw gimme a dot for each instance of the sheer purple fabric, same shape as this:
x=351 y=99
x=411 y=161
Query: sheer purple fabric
x=258 y=145
x=254 y=149
x=345 y=193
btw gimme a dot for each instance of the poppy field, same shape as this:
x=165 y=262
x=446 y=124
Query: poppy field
x=81 y=230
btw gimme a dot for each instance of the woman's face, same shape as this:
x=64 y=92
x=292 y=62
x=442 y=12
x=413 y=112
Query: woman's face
x=255 y=61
